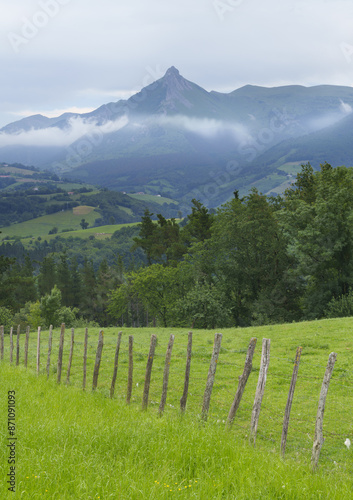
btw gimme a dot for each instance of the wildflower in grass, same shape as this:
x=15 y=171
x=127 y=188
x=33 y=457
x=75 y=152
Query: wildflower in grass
x=347 y=443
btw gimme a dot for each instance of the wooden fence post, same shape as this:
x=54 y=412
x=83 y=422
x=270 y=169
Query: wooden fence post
x=116 y=360
x=85 y=360
x=18 y=345
x=61 y=350
x=1 y=342
x=50 y=341
x=71 y=354
x=166 y=375
x=319 y=438
x=146 y=388
x=290 y=400
x=184 y=397
x=38 y=349
x=242 y=381
x=11 y=344
x=211 y=375
x=260 y=389
x=98 y=360
x=26 y=345
x=131 y=369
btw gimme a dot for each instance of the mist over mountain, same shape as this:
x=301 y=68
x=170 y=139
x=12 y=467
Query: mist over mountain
x=176 y=139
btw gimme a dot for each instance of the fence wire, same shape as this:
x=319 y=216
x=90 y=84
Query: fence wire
x=338 y=422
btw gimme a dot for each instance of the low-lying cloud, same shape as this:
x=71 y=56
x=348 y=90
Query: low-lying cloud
x=78 y=127
x=328 y=119
x=207 y=127
x=61 y=137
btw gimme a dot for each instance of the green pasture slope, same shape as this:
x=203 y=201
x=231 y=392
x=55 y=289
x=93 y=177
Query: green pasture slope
x=68 y=219
x=74 y=444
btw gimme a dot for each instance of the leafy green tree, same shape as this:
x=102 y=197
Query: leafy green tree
x=64 y=280
x=157 y=287
x=199 y=223
x=34 y=317
x=47 y=276
x=320 y=228
x=76 y=284
x=50 y=307
x=6 y=318
x=340 y=307
x=88 y=304
x=249 y=251
x=84 y=224
x=203 y=307
x=160 y=241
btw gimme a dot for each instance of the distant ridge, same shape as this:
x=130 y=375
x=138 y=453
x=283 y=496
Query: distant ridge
x=176 y=139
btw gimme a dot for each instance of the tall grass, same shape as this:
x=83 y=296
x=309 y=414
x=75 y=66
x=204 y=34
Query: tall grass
x=83 y=445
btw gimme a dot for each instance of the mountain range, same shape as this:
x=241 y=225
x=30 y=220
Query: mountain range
x=176 y=139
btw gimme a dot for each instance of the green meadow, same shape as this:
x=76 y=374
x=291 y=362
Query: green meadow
x=67 y=221
x=75 y=444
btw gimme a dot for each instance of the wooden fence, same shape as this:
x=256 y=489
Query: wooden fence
x=260 y=389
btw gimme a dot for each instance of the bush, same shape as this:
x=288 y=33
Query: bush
x=341 y=307
x=6 y=319
x=67 y=315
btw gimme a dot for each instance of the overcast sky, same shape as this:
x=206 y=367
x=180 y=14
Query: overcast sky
x=74 y=55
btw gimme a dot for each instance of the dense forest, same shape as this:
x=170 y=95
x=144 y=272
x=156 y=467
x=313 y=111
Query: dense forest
x=256 y=260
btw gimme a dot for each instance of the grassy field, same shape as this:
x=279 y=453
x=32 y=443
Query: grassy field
x=83 y=445
x=42 y=225
x=153 y=198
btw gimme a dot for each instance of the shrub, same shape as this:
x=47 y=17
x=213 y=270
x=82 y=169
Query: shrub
x=340 y=307
x=6 y=319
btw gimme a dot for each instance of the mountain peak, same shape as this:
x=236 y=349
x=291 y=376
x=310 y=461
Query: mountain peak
x=172 y=71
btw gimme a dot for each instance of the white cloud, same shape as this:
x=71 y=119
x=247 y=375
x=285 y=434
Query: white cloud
x=54 y=136
x=328 y=119
x=207 y=127
x=346 y=108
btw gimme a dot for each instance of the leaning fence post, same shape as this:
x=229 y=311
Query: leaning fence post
x=18 y=345
x=166 y=375
x=85 y=360
x=211 y=375
x=61 y=350
x=290 y=400
x=319 y=438
x=49 y=348
x=1 y=342
x=184 y=397
x=71 y=354
x=26 y=345
x=98 y=360
x=11 y=344
x=260 y=389
x=38 y=349
x=131 y=369
x=146 y=388
x=242 y=381
x=116 y=360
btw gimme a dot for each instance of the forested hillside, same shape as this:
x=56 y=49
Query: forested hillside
x=257 y=260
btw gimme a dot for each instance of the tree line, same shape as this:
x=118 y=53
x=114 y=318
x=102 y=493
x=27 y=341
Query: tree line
x=255 y=260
